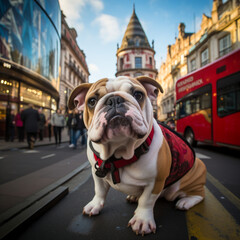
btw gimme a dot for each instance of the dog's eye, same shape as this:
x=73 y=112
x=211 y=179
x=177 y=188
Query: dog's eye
x=138 y=95
x=92 y=102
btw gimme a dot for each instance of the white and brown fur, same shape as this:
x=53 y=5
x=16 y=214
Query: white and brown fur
x=144 y=179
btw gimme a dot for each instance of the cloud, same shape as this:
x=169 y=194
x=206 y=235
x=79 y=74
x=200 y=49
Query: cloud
x=109 y=27
x=73 y=10
x=93 y=68
x=97 y=5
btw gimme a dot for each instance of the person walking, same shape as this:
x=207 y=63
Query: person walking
x=49 y=126
x=70 y=124
x=41 y=124
x=19 y=125
x=30 y=118
x=58 y=122
x=77 y=129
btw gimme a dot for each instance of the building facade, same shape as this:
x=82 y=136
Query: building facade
x=219 y=35
x=74 y=69
x=172 y=69
x=29 y=55
x=135 y=57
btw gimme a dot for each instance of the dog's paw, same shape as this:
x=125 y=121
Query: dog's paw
x=132 y=199
x=188 y=202
x=94 y=207
x=143 y=222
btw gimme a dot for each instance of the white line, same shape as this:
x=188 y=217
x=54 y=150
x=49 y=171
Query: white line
x=31 y=151
x=202 y=156
x=48 y=156
x=1 y=158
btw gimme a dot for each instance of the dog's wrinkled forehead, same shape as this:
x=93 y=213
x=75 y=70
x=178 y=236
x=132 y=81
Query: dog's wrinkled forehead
x=121 y=84
x=111 y=85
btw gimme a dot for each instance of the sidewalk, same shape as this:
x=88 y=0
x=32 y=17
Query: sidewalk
x=30 y=195
x=15 y=144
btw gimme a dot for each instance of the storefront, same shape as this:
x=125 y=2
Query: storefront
x=29 y=56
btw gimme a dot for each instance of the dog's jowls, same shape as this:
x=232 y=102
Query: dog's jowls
x=128 y=149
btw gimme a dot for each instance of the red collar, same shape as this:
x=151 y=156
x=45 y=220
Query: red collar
x=113 y=164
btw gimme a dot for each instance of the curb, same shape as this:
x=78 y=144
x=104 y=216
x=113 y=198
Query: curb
x=20 y=215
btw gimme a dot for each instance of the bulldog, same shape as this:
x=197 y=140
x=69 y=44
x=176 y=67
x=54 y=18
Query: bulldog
x=133 y=153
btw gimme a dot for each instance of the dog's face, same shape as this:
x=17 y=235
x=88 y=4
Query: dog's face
x=117 y=112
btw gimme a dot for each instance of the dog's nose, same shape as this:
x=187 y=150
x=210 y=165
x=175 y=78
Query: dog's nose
x=114 y=101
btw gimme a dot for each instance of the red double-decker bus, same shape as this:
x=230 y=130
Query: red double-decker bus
x=208 y=103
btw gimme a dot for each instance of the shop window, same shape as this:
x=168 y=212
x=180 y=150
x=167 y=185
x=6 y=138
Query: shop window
x=29 y=94
x=9 y=88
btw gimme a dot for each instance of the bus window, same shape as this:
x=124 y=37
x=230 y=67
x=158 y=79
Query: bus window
x=182 y=109
x=197 y=102
x=228 y=95
x=206 y=101
x=188 y=107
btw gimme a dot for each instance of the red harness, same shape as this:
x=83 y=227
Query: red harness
x=113 y=164
x=183 y=157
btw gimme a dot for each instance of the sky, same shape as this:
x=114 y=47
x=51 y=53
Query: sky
x=101 y=24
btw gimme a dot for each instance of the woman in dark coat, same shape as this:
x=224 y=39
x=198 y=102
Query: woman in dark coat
x=30 y=118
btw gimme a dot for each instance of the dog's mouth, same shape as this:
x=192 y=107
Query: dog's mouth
x=117 y=128
x=119 y=120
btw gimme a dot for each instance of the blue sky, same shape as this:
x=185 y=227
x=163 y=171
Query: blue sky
x=101 y=24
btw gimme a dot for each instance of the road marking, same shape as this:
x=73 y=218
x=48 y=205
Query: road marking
x=210 y=220
x=202 y=156
x=31 y=151
x=229 y=195
x=48 y=156
x=2 y=158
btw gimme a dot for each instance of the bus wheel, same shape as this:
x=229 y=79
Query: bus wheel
x=189 y=135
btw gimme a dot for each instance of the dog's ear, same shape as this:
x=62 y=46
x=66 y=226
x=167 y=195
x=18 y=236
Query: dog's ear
x=152 y=86
x=77 y=96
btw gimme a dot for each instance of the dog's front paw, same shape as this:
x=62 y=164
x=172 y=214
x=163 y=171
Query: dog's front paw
x=143 y=222
x=94 y=207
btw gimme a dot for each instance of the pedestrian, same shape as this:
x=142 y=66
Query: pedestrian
x=19 y=125
x=11 y=125
x=58 y=122
x=69 y=126
x=41 y=124
x=77 y=129
x=30 y=118
x=49 y=126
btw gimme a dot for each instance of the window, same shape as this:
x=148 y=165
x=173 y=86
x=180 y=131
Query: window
x=228 y=95
x=193 y=64
x=204 y=57
x=121 y=63
x=225 y=45
x=137 y=74
x=138 y=62
x=150 y=61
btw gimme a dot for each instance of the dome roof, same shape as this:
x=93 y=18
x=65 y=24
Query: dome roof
x=134 y=35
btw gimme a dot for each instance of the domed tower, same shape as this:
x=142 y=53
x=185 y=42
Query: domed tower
x=135 y=57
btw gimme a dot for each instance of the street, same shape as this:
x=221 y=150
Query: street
x=19 y=162
x=218 y=217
